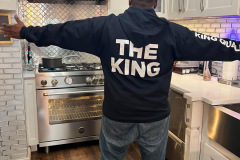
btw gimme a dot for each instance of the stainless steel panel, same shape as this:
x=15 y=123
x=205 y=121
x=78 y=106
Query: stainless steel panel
x=64 y=131
x=224 y=129
x=177 y=120
x=67 y=141
x=175 y=148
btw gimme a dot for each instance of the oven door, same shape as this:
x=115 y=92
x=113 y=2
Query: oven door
x=69 y=115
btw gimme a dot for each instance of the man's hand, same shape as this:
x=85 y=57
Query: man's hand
x=12 y=30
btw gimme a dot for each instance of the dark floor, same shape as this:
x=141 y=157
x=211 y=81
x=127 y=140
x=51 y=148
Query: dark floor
x=80 y=151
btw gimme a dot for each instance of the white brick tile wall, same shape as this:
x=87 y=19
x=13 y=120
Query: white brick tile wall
x=231 y=30
x=12 y=71
x=7 y=108
x=215 y=25
x=10 y=49
x=15 y=81
x=236 y=25
x=231 y=20
x=6 y=76
x=18 y=76
x=11 y=60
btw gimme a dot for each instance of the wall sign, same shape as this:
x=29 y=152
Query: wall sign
x=5 y=18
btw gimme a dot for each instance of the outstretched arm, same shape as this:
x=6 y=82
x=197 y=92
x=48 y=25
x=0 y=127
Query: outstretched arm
x=12 y=30
x=80 y=35
x=197 y=46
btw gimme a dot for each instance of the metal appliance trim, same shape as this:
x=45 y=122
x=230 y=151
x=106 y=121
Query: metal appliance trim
x=66 y=141
x=73 y=73
x=175 y=138
x=79 y=92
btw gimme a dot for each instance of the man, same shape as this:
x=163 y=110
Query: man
x=137 y=50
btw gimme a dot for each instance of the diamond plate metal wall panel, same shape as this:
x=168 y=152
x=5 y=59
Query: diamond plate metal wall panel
x=40 y=14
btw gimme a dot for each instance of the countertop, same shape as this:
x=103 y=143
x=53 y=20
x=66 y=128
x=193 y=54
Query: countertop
x=196 y=89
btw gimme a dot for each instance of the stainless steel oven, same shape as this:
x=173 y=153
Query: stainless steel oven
x=69 y=105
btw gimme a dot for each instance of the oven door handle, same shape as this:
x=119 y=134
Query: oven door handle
x=78 y=92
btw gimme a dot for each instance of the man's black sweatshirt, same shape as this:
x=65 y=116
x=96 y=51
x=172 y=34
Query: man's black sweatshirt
x=137 y=51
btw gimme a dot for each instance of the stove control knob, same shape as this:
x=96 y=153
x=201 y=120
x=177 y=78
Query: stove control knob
x=88 y=80
x=43 y=82
x=54 y=82
x=68 y=80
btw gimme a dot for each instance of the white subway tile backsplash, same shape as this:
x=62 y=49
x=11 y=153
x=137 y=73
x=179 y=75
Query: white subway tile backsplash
x=198 y=25
x=215 y=35
x=224 y=35
x=2 y=93
x=18 y=156
x=14 y=92
x=7 y=108
x=220 y=30
x=236 y=25
x=15 y=113
x=231 y=20
x=6 y=66
x=231 y=30
x=16 y=54
x=221 y=20
x=15 y=102
x=14 y=81
x=210 y=30
x=18 y=137
x=215 y=25
x=207 y=25
x=226 y=25
x=11 y=60
x=10 y=49
x=9 y=118
x=6 y=98
x=201 y=30
x=8 y=128
x=18 y=86
x=4 y=55
x=19 y=97
x=18 y=76
x=6 y=87
x=13 y=147
x=12 y=71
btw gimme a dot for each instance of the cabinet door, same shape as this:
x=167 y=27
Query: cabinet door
x=31 y=111
x=161 y=9
x=212 y=154
x=8 y=5
x=192 y=8
x=220 y=7
x=175 y=9
x=117 y=6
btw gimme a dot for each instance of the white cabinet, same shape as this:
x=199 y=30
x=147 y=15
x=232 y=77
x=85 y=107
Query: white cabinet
x=31 y=111
x=162 y=8
x=117 y=6
x=8 y=5
x=220 y=7
x=212 y=154
x=192 y=8
x=202 y=8
x=175 y=9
